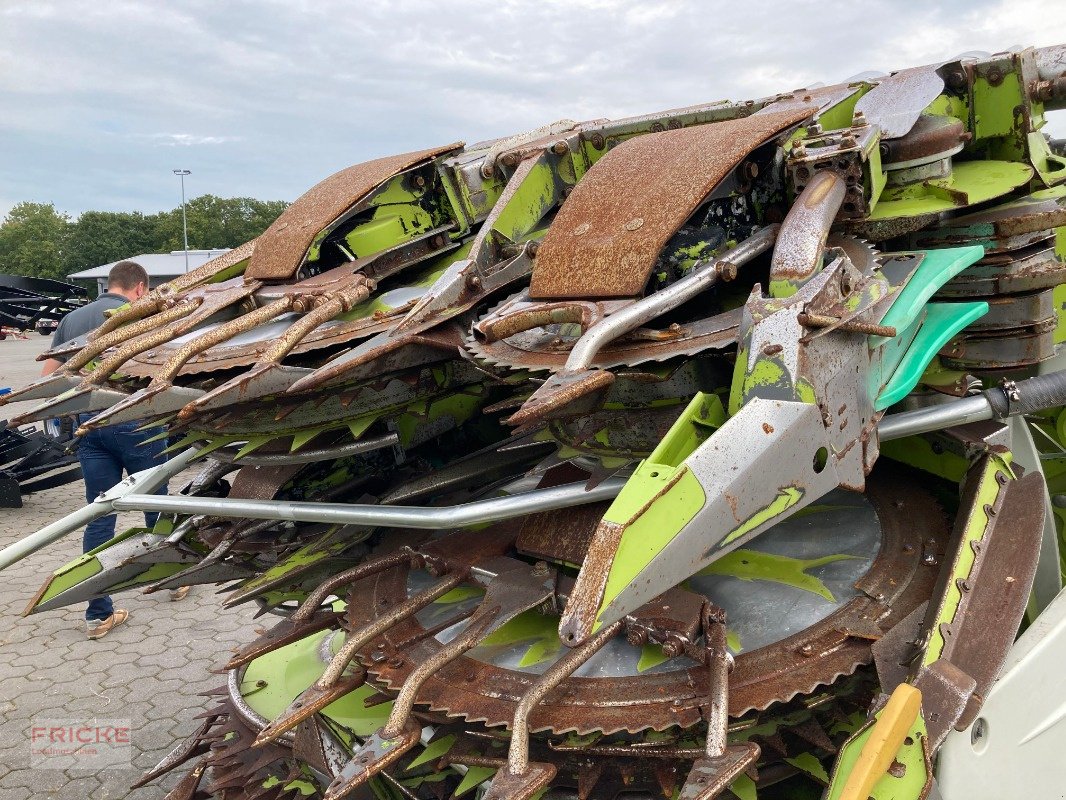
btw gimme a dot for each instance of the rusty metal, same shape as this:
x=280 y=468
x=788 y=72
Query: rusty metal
x=101 y=343
x=932 y=137
x=605 y=239
x=701 y=277
x=333 y=683
x=802 y=238
x=511 y=592
x=1016 y=311
x=813 y=100
x=896 y=583
x=152 y=332
x=525 y=317
x=384 y=354
x=1035 y=267
x=158 y=298
x=285 y=632
x=721 y=763
x=982 y=629
x=326 y=308
x=1003 y=228
x=283 y=246
x=518 y=754
x=543 y=350
x=1001 y=349
x=852 y=326
x=220 y=334
x=313 y=600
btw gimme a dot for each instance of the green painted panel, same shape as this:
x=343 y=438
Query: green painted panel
x=970 y=182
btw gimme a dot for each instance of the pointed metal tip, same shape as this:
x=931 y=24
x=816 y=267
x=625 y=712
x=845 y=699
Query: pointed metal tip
x=560 y=391
x=307 y=383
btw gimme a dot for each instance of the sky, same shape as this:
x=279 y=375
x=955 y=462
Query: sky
x=102 y=100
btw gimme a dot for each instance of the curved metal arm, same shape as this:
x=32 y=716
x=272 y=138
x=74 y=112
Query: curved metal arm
x=652 y=306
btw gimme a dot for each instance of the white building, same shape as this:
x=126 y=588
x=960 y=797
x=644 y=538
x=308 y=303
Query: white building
x=161 y=267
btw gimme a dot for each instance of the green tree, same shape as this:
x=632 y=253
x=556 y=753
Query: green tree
x=216 y=222
x=33 y=241
x=100 y=237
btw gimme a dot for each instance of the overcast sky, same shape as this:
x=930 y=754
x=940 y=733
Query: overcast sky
x=101 y=99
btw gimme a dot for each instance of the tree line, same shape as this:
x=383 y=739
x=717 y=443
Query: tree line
x=38 y=240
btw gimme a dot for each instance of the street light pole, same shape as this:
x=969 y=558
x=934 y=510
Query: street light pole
x=181 y=173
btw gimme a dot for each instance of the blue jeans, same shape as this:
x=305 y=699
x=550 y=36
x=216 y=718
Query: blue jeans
x=104 y=453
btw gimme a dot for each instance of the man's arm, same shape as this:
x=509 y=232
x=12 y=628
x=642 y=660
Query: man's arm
x=50 y=366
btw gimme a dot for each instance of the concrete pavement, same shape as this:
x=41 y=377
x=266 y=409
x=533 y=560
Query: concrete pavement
x=149 y=671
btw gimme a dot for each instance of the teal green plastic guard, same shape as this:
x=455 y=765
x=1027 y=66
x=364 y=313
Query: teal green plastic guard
x=942 y=321
x=937 y=268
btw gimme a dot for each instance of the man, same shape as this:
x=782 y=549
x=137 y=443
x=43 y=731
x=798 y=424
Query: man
x=105 y=452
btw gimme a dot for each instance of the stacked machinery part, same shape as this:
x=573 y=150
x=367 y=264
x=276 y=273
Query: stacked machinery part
x=711 y=453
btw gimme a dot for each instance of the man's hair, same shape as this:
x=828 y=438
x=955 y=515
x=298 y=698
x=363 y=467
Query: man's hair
x=126 y=275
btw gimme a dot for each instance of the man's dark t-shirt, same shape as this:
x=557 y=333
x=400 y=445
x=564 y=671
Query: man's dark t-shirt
x=87 y=318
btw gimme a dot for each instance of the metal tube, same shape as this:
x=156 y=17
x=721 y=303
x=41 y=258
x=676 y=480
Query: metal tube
x=423 y=517
x=934 y=418
x=654 y=305
x=801 y=242
x=147 y=481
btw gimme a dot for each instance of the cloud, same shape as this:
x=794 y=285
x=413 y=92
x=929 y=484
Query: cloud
x=96 y=96
x=189 y=139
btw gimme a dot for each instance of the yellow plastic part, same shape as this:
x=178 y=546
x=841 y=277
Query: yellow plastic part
x=886 y=738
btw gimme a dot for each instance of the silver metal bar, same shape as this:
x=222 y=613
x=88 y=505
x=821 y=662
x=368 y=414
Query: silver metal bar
x=934 y=418
x=145 y=481
x=801 y=242
x=306 y=456
x=643 y=311
x=423 y=517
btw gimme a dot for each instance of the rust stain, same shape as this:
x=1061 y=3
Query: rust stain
x=281 y=248
x=675 y=170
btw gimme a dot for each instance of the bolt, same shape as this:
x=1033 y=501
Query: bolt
x=540 y=569
x=727 y=270
x=420 y=181
x=597 y=141
x=814 y=129
x=637 y=637
x=509 y=159
x=858 y=120
x=848 y=140
x=473 y=282
x=673 y=647
x=749 y=170
x=806 y=650
x=560 y=148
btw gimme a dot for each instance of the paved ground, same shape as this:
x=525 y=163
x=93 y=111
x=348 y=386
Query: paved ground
x=149 y=671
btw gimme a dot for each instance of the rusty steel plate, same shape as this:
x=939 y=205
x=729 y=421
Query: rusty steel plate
x=659 y=693
x=608 y=234
x=281 y=248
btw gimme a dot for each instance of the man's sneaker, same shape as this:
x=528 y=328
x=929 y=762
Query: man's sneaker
x=179 y=594
x=100 y=628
